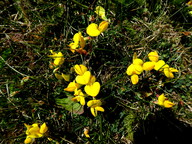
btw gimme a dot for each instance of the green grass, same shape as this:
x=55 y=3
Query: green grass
x=29 y=29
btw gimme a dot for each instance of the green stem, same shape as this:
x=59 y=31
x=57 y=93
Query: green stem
x=84 y=6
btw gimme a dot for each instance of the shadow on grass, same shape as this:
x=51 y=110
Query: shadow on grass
x=162 y=128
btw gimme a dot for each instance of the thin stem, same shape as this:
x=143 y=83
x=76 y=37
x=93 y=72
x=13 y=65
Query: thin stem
x=84 y=6
x=67 y=141
x=12 y=67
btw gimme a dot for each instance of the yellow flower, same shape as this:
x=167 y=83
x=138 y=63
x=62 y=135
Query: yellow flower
x=168 y=104
x=153 y=56
x=66 y=77
x=95 y=30
x=92 y=30
x=29 y=140
x=86 y=132
x=92 y=80
x=137 y=61
x=138 y=69
x=148 y=66
x=92 y=89
x=78 y=41
x=160 y=65
x=79 y=96
x=130 y=69
x=135 y=69
x=103 y=26
x=72 y=86
x=78 y=93
x=134 y=79
x=58 y=58
x=101 y=12
x=83 y=79
x=43 y=128
x=80 y=69
x=73 y=47
x=95 y=105
x=33 y=131
x=162 y=101
x=168 y=71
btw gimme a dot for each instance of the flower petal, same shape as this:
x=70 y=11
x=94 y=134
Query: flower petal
x=166 y=72
x=153 y=56
x=73 y=47
x=159 y=65
x=103 y=26
x=92 y=80
x=134 y=79
x=72 y=86
x=29 y=140
x=173 y=70
x=82 y=42
x=82 y=100
x=161 y=100
x=43 y=128
x=92 y=89
x=58 y=76
x=86 y=132
x=168 y=104
x=34 y=131
x=66 y=77
x=76 y=37
x=148 y=66
x=99 y=109
x=80 y=69
x=130 y=69
x=137 y=61
x=94 y=103
x=84 y=79
x=138 y=69
x=93 y=112
x=59 y=59
x=92 y=30
x=28 y=128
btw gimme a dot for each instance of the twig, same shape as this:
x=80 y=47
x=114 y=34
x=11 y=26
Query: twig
x=12 y=67
x=67 y=141
x=84 y=6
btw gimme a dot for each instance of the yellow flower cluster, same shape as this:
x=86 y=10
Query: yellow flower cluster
x=91 y=88
x=137 y=67
x=79 y=43
x=158 y=65
x=84 y=77
x=34 y=131
x=92 y=30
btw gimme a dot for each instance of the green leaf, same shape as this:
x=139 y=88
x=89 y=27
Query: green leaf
x=70 y=105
